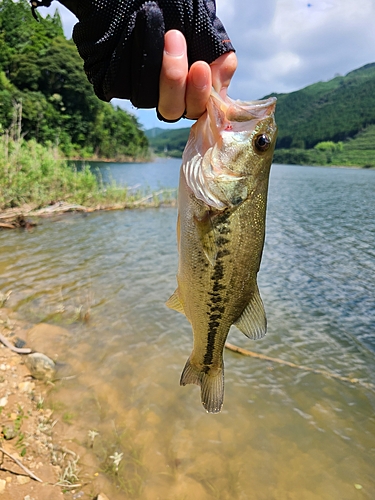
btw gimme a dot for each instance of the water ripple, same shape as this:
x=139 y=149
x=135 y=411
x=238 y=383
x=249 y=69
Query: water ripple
x=316 y=280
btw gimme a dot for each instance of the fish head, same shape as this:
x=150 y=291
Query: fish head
x=230 y=149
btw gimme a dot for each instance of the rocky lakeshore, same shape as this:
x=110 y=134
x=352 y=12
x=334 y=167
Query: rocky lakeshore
x=39 y=457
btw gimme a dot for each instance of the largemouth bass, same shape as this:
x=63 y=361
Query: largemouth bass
x=220 y=231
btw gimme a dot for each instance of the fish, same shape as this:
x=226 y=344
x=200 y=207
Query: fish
x=222 y=198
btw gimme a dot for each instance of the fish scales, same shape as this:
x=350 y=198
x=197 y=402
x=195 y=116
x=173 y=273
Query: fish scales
x=220 y=231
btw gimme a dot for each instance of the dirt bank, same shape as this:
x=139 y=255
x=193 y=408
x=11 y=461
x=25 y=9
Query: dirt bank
x=38 y=460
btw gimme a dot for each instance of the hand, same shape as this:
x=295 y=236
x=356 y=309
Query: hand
x=183 y=89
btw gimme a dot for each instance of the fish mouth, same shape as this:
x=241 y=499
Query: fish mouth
x=229 y=112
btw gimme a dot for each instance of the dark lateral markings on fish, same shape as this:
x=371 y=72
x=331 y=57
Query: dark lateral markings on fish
x=221 y=221
x=216 y=311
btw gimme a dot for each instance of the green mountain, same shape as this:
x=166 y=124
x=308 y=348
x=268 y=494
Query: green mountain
x=327 y=111
x=168 y=142
x=43 y=83
x=154 y=132
x=325 y=123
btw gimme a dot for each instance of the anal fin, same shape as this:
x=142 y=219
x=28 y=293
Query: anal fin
x=174 y=302
x=253 y=322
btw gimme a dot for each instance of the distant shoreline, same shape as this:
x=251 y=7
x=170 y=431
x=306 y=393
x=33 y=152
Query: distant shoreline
x=369 y=167
x=327 y=166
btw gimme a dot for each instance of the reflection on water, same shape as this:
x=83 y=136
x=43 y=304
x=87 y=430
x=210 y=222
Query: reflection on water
x=161 y=173
x=283 y=433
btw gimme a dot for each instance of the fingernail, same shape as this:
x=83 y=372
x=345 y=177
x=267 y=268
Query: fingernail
x=174 y=44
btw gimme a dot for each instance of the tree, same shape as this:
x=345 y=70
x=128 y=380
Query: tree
x=42 y=70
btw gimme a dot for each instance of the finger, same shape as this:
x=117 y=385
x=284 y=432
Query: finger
x=223 y=69
x=173 y=76
x=198 y=89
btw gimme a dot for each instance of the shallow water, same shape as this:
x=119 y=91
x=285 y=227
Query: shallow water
x=283 y=433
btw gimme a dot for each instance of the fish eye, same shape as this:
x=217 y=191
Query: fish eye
x=262 y=142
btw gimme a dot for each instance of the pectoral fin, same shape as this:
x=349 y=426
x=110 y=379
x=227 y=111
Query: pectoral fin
x=174 y=303
x=207 y=238
x=253 y=322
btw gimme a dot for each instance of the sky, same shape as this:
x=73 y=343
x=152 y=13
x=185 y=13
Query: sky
x=281 y=45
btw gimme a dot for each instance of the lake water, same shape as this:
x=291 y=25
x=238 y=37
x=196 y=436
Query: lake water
x=284 y=433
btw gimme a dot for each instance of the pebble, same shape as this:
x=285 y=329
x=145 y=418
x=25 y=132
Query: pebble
x=102 y=496
x=23 y=479
x=4 y=401
x=3 y=483
x=47 y=413
x=19 y=343
x=9 y=432
x=26 y=386
x=78 y=495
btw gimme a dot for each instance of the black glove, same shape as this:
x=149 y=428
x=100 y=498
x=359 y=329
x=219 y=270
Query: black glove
x=122 y=42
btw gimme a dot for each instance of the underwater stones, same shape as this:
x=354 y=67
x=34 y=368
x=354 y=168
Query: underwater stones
x=41 y=366
x=47 y=338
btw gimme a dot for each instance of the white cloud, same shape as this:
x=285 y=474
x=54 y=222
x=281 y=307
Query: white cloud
x=284 y=45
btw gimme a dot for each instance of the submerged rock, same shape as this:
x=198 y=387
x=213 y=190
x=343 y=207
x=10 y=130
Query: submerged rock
x=41 y=366
x=19 y=343
x=50 y=339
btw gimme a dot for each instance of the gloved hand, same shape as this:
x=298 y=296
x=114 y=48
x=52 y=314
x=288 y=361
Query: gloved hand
x=122 y=42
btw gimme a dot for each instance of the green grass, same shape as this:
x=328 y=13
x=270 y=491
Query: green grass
x=36 y=175
x=129 y=472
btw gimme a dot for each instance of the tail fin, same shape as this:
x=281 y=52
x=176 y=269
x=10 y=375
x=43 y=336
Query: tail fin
x=212 y=387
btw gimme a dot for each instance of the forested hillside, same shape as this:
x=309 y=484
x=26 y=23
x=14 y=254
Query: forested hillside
x=41 y=76
x=327 y=111
x=327 y=123
x=168 y=142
